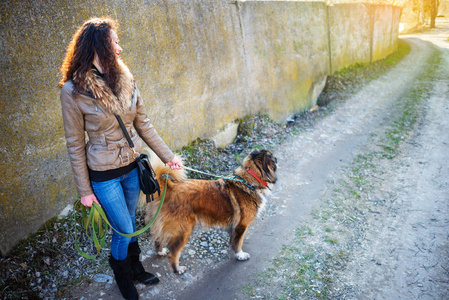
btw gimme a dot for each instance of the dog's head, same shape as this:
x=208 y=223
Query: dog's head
x=263 y=163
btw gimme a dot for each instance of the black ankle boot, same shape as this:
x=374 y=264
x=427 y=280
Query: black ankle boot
x=123 y=276
x=139 y=273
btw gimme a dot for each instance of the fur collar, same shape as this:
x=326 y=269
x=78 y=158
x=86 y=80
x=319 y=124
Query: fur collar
x=96 y=87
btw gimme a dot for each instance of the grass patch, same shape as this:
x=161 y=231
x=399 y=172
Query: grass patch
x=248 y=290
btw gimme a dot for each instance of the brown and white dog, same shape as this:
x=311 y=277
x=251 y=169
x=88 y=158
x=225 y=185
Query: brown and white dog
x=226 y=203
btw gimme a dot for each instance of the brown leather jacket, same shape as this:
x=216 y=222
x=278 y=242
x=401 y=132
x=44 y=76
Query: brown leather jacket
x=106 y=147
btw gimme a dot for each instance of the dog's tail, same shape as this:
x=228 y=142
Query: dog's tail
x=173 y=176
x=160 y=169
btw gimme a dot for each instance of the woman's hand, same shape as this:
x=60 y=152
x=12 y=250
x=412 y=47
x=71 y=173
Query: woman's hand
x=87 y=200
x=175 y=164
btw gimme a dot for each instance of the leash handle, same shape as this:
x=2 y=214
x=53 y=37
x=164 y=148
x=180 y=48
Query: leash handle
x=99 y=229
x=98 y=242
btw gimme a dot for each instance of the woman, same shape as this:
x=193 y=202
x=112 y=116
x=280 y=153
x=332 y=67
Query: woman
x=96 y=85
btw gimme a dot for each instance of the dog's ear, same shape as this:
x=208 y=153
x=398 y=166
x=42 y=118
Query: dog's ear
x=271 y=158
x=269 y=161
x=269 y=165
x=255 y=153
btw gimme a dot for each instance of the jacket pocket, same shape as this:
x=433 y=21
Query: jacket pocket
x=101 y=158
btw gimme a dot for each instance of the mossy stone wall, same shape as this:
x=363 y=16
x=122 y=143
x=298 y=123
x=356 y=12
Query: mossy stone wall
x=350 y=28
x=361 y=33
x=385 y=30
x=199 y=65
x=287 y=54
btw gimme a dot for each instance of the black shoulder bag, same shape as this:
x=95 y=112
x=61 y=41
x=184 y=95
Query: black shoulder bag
x=147 y=177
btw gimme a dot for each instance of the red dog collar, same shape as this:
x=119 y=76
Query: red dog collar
x=264 y=183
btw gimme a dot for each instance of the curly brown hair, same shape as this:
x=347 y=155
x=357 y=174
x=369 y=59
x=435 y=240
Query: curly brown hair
x=93 y=37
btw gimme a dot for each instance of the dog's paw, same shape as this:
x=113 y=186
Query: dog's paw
x=182 y=270
x=242 y=255
x=163 y=252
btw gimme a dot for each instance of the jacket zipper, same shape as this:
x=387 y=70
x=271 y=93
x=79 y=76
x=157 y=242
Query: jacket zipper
x=98 y=108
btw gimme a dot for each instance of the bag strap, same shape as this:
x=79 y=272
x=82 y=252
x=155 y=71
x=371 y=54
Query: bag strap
x=125 y=132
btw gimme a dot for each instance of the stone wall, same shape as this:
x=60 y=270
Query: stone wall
x=361 y=33
x=350 y=29
x=385 y=30
x=199 y=66
x=287 y=54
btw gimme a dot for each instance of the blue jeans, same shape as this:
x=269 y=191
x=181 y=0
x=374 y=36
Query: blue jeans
x=118 y=198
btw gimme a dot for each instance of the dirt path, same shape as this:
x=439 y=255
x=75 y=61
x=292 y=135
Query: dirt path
x=403 y=248
x=405 y=251
x=405 y=254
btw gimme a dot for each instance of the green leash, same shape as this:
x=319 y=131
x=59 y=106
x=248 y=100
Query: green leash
x=94 y=220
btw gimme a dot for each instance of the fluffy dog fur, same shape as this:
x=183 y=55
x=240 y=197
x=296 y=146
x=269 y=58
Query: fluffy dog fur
x=225 y=203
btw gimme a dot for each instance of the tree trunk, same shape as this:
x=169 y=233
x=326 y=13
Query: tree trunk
x=433 y=12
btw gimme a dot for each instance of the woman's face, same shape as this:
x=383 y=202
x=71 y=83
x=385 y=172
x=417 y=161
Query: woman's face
x=115 y=45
